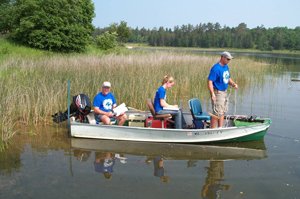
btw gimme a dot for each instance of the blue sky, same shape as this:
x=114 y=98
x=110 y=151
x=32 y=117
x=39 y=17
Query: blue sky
x=169 y=13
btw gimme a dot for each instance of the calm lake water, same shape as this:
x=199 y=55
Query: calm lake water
x=51 y=165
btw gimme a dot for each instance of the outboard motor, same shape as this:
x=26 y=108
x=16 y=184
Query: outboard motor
x=79 y=108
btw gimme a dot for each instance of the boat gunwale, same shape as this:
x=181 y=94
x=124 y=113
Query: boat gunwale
x=266 y=123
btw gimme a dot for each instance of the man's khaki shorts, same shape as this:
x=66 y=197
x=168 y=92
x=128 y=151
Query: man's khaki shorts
x=220 y=107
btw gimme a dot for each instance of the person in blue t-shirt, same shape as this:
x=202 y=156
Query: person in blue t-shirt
x=104 y=163
x=104 y=103
x=218 y=81
x=160 y=101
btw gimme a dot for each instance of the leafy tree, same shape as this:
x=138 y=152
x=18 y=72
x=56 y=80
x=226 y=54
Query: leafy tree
x=122 y=31
x=58 y=25
x=107 y=40
x=6 y=13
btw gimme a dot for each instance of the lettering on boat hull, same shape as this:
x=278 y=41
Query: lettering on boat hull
x=218 y=132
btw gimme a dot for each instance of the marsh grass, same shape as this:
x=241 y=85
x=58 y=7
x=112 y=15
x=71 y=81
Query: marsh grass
x=33 y=87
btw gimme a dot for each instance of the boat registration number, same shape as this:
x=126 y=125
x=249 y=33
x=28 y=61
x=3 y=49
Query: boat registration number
x=204 y=133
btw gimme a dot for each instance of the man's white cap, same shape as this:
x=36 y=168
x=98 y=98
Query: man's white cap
x=106 y=84
x=226 y=54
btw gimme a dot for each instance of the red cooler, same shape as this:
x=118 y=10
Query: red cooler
x=150 y=122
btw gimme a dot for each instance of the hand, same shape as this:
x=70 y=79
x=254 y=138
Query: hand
x=110 y=114
x=235 y=86
x=122 y=114
x=213 y=98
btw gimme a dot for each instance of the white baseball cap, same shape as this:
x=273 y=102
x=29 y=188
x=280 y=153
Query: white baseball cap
x=226 y=54
x=106 y=84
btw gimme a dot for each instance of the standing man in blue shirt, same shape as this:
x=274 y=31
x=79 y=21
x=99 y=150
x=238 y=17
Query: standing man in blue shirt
x=104 y=103
x=218 y=81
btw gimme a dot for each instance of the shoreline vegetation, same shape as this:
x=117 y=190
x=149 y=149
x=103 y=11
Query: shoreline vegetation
x=211 y=35
x=232 y=50
x=34 y=82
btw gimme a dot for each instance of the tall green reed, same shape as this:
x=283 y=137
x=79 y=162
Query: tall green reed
x=34 y=87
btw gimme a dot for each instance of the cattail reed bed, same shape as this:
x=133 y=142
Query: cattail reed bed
x=34 y=87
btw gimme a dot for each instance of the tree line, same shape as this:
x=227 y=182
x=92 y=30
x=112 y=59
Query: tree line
x=214 y=36
x=66 y=26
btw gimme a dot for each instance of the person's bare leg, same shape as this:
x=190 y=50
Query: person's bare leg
x=213 y=122
x=122 y=120
x=105 y=120
x=221 y=121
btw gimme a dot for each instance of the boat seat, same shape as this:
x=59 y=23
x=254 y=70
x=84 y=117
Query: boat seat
x=198 y=115
x=161 y=117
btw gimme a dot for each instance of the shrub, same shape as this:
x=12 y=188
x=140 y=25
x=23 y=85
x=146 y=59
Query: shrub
x=107 y=40
x=56 y=25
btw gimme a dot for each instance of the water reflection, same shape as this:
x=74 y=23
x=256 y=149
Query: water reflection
x=105 y=161
x=81 y=155
x=107 y=152
x=214 y=181
x=159 y=170
x=119 y=163
x=237 y=151
x=48 y=139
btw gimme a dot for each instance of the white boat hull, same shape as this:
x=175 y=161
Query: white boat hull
x=113 y=132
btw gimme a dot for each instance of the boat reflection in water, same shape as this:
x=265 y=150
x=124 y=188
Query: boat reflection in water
x=107 y=152
x=236 y=151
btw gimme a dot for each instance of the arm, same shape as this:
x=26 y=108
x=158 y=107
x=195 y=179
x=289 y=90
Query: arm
x=98 y=111
x=211 y=90
x=163 y=103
